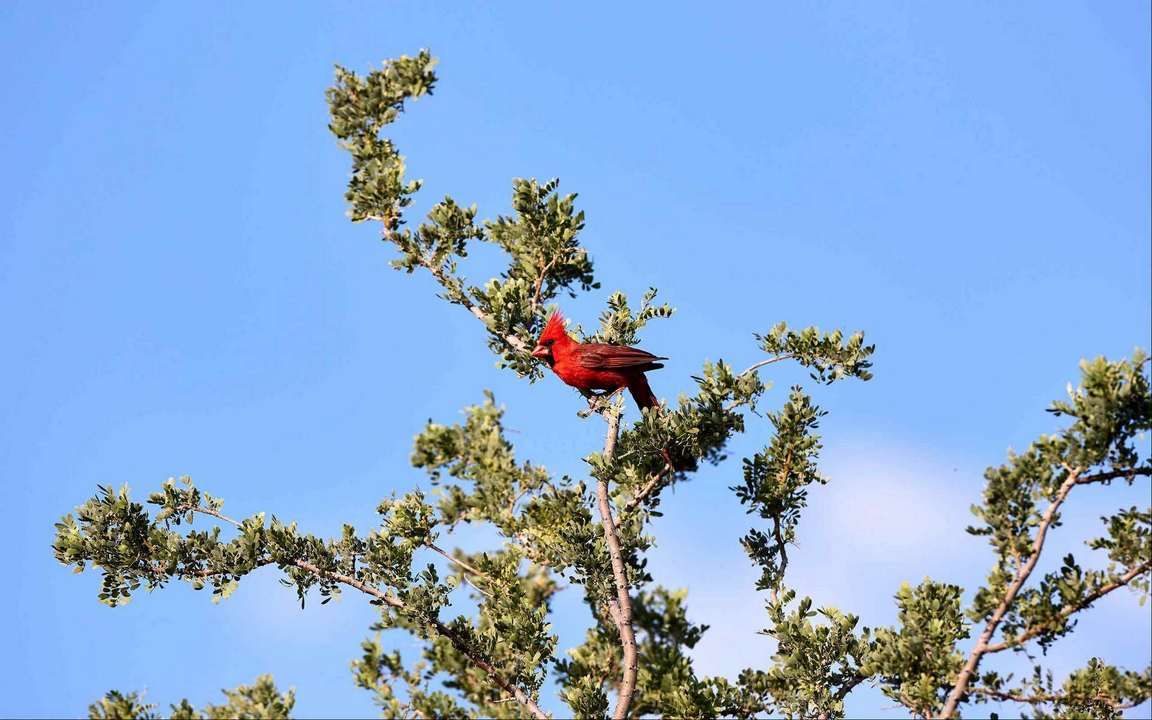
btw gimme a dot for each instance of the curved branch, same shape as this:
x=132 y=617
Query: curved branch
x=621 y=607
x=539 y=288
x=762 y=363
x=960 y=689
x=463 y=300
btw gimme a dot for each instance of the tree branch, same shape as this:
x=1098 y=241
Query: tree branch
x=646 y=490
x=774 y=593
x=849 y=686
x=1069 y=610
x=762 y=363
x=457 y=642
x=960 y=689
x=621 y=607
x=511 y=340
x=210 y=511
x=1046 y=698
x=1113 y=474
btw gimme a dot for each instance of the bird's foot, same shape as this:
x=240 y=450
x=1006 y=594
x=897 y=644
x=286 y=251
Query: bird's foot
x=598 y=402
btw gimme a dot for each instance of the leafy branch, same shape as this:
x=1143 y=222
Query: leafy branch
x=1109 y=409
x=259 y=700
x=116 y=535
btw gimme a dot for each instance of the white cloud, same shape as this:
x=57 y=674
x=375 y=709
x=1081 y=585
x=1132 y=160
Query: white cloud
x=887 y=515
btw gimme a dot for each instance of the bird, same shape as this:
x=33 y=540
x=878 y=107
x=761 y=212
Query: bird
x=597 y=366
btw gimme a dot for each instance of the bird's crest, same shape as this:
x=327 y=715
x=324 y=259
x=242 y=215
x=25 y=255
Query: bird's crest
x=554 y=328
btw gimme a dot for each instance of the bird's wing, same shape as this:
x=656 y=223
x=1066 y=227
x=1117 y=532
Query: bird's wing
x=598 y=356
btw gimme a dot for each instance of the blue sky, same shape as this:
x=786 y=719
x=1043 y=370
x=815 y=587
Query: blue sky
x=967 y=182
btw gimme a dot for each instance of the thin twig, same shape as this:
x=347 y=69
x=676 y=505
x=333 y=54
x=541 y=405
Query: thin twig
x=464 y=565
x=762 y=363
x=511 y=340
x=457 y=642
x=783 y=555
x=620 y=607
x=540 y=283
x=646 y=489
x=1046 y=698
x=211 y=511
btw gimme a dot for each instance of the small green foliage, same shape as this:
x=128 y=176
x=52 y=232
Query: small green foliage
x=478 y=453
x=819 y=657
x=360 y=108
x=383 y=673
x=828 y=356
x=1109 y=410
x=1100 y=690
x=259 y=701
x=667 y=684
x=1096 y=692
x=511 y=629
x=917 y=661
x=540 y=239
x=618 y=324
x=1128 y=544
x=251 y=702
x=697 y=429
x=541 y=242
x=119 y=706
x=817 y=663
x=776 y=485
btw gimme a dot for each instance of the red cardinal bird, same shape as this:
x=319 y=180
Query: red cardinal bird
x=596 y=366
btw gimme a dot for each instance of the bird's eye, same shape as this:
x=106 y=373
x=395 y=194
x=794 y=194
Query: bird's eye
x=549 y=343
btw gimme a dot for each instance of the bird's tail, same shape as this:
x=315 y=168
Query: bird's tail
x=642 y=392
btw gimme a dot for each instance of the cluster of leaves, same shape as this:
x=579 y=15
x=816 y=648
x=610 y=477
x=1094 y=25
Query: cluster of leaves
x=1110 y=410
x=699 y=427
x=383 y=673
x=360 y=108
x=819 y=657
x=549 y=521
x=132 y=549
x=492 y=659
x=540 y=238
x=1097 y=690
x=776 y=485
x=620 y=326
x=828 y=356
x=247 y=702
x=510 y=631
x=917 y=662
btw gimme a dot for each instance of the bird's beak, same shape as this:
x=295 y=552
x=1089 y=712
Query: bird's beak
x=541 y=352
